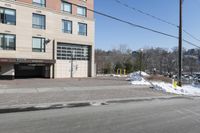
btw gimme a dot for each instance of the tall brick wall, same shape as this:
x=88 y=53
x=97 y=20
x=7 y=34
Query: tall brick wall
x=56 y=5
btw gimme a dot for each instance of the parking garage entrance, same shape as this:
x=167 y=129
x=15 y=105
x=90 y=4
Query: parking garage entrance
x=32 y=71
x=11 y=68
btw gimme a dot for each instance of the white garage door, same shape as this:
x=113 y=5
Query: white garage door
x=72 y=61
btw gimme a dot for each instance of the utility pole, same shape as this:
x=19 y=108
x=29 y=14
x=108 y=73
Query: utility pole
x=140 y=63
x=180 y=46
x=141 y=54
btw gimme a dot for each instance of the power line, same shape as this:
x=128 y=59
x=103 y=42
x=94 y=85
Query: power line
x=191 y=35
x=136 y=25
x=145 y=13
x=146 y=28
x=156 y=18
x=188 y=42
x=132 y=24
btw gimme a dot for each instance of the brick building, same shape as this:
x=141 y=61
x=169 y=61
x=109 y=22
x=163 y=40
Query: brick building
x=46 y=38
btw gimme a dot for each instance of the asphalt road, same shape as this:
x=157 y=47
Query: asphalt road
x=159 y=116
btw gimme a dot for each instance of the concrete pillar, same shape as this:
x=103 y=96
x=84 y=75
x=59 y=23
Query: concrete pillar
x=51 y=71
x=92 y=61
x=7 y=71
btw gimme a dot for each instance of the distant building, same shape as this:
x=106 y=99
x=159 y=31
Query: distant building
x=46 y=38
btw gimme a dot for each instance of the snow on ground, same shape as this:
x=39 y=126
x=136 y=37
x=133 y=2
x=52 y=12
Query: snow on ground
x=111 y=75
x=132 y=75
x=135 y=76
x=191 y=90
x=142 y=82
x=137 y=79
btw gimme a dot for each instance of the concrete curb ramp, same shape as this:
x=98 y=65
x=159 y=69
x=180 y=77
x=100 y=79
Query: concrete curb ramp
x=48 y=106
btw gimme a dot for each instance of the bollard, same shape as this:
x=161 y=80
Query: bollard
x=124 y=71
x=174 y=84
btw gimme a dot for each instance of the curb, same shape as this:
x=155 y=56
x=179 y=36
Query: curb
x=26 y=108
x=148 y=99
x=49 y=106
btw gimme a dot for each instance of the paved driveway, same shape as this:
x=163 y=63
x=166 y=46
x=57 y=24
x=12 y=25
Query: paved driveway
x=59 y=83
x=39 y=91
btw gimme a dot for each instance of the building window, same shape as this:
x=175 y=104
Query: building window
x=7 y=16
x=39 y=21
x=66 y=7
x=82 y=11
x=41 y=3
x=82 y=29
x=38 y=44
x=67 y=26
x=72 y=52
x=7 y=42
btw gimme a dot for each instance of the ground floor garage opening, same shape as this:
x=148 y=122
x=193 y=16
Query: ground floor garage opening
x=73 y=61
x=32 y=71
x=12 y=68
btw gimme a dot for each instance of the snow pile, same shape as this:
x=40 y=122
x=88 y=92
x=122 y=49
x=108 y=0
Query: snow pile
x=190 y=90
x=141 y=82
x=137 y=79
x=143 y=74
x=136 y=76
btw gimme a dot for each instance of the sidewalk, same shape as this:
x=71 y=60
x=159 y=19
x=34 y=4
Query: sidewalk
x=10 y=97
x=86 y=90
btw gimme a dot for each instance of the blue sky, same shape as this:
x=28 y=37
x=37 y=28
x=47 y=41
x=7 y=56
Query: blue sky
x=110 y=34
